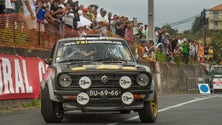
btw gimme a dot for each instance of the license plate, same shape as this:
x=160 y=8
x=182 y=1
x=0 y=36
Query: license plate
x=103 y=92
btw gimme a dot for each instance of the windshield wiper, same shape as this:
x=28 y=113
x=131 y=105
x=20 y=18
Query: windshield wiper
x=74 y=60
x=113 y=60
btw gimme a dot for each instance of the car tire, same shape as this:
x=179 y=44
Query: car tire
x=150 y=111
x=52 y=112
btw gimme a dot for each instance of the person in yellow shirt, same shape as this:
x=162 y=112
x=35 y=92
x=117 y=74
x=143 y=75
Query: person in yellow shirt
x=210 y=53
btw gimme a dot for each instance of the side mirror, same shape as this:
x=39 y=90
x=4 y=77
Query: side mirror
x=48 y=61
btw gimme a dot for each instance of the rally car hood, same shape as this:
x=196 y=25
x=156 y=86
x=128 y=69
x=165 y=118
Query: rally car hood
x=98 y=67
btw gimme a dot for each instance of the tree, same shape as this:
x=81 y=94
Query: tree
x=216 y=43
x=197 y=26
x=170 y=30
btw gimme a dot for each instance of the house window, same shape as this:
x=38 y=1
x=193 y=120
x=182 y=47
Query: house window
x=215 y=23
x=216 y=15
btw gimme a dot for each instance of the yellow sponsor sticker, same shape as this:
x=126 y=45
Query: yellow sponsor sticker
x=129 y=68
x=114 y=67
x=78 y=68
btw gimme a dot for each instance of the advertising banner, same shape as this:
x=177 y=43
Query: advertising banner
x=20 y=76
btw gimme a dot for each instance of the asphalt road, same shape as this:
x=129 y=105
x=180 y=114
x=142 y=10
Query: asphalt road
x=189 y=109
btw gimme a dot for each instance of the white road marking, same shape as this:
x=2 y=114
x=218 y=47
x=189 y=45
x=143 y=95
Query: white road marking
x=168 y=108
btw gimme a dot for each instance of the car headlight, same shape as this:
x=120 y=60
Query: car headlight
x=125 y=82
x=142 y=80
x=65 y=80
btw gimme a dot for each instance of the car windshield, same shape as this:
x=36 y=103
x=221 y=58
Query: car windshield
x=94 y=50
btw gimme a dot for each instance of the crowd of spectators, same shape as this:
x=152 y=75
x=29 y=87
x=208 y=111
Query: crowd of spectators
x=60 y=15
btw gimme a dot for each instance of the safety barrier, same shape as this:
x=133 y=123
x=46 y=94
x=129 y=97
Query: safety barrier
x=15 y=31
x=192 y=83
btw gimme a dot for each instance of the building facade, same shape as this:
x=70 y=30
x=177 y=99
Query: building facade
x=215 y=18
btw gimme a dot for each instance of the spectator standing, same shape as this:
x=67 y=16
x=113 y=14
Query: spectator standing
x=120 y=27
x=191 y=52
x=113 y=23
x=180 y=41
x=210 y=53
x=30 y=17
x=152 y=56
x=139 y=35
x=10 y=6
x=58 y=11
x=68 y=17
x=185 y=50
x=174 y=43
x=102 y=22
x=196 y=48
x=11 y=11
x=170 y=53
x=50 y=24
x=129 y=34
x=145 y=32
x=76 y=19
x=165 y=42
x=40 y=13
x=110 y=20
x=161 y=34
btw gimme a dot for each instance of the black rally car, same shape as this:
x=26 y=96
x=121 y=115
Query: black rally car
x=96 y=74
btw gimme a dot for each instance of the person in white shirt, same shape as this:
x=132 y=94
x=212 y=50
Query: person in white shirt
x=145 y=32
x=30 y=18
x=103 y=22
x=29 y=13
x=10 y=9
x=10 y=6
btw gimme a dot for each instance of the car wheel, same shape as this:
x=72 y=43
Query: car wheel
x=150 y=111
x=52 y=112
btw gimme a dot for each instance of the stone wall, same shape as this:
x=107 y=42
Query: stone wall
x=173 y=78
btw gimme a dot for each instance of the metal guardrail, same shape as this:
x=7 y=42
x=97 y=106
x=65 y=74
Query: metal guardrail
x=192 y=83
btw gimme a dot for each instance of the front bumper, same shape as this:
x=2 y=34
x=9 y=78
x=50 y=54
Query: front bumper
x=101 y=103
